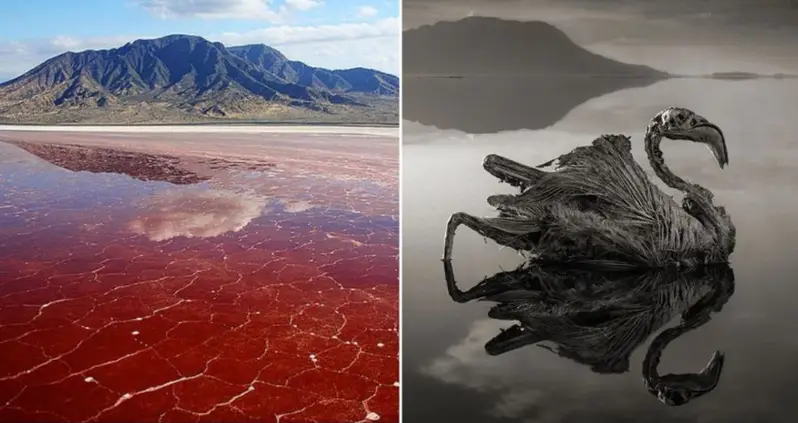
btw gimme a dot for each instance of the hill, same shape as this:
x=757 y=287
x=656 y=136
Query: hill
x=356 y=80
x=182 y=78
x=485 y=75
x=480 y=45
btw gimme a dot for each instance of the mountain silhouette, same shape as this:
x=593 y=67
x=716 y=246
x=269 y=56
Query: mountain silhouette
x=479 y=45
x=485 y=75
x=188 y=78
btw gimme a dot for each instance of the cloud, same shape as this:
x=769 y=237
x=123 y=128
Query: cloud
x=287 y=35
x=303 y=5
x=366 y=12
x=17 y=57
x=217 y=9
x=196 y=214
x=365 y=44
x=514 y=404
x=547 y=390
x=461 y=360
x=297 y=207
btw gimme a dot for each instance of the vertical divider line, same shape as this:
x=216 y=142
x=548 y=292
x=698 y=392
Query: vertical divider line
x=400 y=184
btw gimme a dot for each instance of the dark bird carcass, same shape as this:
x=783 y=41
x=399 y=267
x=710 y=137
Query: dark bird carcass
x=597 y=207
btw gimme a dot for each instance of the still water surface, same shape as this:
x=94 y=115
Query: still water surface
x=448 y=376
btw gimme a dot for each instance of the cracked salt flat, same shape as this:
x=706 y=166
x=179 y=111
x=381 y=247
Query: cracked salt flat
x=102 y=323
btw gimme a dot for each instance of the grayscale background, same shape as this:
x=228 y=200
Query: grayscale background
x=513 y=100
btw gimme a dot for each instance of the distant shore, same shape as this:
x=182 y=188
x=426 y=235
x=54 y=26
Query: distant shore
x=214 y=123
x=716 y=75
x=371 y=130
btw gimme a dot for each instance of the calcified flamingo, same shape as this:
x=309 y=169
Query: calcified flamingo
x=598 y=207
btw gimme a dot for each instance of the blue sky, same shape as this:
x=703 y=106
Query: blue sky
x=327 y=33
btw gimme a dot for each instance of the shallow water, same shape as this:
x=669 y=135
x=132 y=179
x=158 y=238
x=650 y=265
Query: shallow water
x=447 y=374
x=124 y=297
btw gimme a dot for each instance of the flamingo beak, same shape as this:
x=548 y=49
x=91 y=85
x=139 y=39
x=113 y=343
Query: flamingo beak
x=708 y=134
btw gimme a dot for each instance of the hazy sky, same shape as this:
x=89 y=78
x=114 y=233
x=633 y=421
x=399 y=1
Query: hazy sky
x=690 y=36
x=327 y=33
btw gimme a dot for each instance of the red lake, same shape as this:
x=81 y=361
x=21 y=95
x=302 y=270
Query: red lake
x=198 y=277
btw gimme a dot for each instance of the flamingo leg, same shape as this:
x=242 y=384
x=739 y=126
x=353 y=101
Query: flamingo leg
x=506 y=231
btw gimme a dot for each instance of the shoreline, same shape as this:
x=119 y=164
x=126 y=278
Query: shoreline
x=380 y=131
x=215 y=123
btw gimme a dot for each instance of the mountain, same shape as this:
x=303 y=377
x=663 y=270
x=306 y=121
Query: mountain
x=359 y=80
x=182 y=78
x=485 y=75
x=480 y=45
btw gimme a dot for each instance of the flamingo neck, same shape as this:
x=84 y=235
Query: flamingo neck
x=655 y=157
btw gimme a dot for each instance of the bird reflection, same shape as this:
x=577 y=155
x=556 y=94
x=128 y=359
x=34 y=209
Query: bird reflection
x=599 y=318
